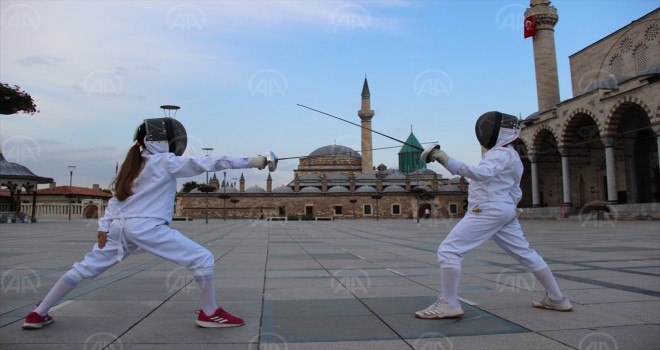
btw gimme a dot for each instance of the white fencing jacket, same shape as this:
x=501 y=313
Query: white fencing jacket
x=155 y=187
x=497 y=176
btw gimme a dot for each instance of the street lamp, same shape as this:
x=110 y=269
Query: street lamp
x=207 y=152
x=71 y=169
x=234 y=201
x=224 y=196
x=353 y=202
x=377 y=197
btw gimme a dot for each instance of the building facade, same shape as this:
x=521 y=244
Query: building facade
x=598 y=148
x=337 y=182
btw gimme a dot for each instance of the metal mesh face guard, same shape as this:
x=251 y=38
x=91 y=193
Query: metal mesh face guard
x=165 y=130
x=488 y=127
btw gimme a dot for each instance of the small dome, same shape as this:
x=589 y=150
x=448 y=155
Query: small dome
x=532 y=117
x=366 y=189
x=423 y=172
x=282 y=189
x=338 y=189
x=395 y=176
x=366 y=176
x=394 y=189
x=227 y=189
x=334 y=151
x=255 y=189
x=311 y=190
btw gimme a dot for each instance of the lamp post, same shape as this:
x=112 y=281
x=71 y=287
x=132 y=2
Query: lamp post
x=377 y=197
x=71 y=169
x=207 y=152
x=224 y=196
x=234 y=201
x=353 y=202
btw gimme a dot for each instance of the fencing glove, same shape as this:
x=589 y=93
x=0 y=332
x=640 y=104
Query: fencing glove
x=258 y=162
x=433 y=153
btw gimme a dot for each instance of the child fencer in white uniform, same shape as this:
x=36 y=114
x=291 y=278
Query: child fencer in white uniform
x=493 y=195
x=138 y=216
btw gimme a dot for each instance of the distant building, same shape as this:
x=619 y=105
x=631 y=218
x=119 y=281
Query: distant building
x=335 y=181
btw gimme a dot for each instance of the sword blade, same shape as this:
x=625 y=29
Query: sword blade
x=363 y=127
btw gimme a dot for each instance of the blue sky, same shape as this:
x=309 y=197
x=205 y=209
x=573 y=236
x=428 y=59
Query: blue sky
x=238 y=69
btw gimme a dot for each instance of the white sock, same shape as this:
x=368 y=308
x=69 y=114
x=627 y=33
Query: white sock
x=62 y=287
x=450 y=278
x=549 y=282
x=206 y=288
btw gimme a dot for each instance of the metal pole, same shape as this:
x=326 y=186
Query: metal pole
x=224 y=197
x=71 y=168
x=207 y=151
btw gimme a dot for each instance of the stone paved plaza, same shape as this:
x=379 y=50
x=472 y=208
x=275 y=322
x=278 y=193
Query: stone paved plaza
x=338 y=285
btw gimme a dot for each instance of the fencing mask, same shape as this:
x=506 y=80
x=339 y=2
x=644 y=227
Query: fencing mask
x=162 y=135
x=496 y=129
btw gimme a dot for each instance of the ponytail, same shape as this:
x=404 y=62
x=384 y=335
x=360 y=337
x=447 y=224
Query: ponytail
x=130 y=170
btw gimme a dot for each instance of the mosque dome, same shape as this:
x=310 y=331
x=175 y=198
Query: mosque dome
x=334 y=151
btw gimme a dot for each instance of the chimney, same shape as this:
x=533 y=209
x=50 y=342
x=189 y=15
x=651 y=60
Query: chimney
x=96 y=187
x=52 y=184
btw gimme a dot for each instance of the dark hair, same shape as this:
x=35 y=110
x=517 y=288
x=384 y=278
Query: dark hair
x=129 y=171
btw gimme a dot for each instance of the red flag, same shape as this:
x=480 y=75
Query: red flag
x=530 y=26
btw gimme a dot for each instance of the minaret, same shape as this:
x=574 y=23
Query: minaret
x=545 y=57
x=365 y=114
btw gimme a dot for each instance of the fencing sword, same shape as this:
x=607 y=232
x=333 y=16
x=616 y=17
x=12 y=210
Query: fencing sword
x=373 y=149
x=363 y=127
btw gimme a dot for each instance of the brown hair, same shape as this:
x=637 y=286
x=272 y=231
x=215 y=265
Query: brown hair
x=130 y=170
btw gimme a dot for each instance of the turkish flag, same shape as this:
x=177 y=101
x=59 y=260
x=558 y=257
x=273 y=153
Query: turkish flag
x=530 y=26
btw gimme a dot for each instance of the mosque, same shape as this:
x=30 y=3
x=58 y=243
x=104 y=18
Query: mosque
x=337 y=182
x=599 y=148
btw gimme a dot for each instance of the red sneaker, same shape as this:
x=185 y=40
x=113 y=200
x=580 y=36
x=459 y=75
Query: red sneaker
x=219 y=319
x=35 y=321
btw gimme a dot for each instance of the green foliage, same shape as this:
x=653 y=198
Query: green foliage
x=189 y=186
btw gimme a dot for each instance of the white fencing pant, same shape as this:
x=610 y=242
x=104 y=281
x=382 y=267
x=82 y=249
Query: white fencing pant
x=496 y=220
x=153 y=235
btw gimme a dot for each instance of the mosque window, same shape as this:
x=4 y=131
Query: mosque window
x=309 y=210
x=453 y=208
x=651 y=32
x=626 y=45
x=640 y=57
x=366 y=210
x=338 y=210
x=396 y=209
x=616 y=65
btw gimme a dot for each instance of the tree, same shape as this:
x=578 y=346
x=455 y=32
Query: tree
x=189 y=186
x=14 y=100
